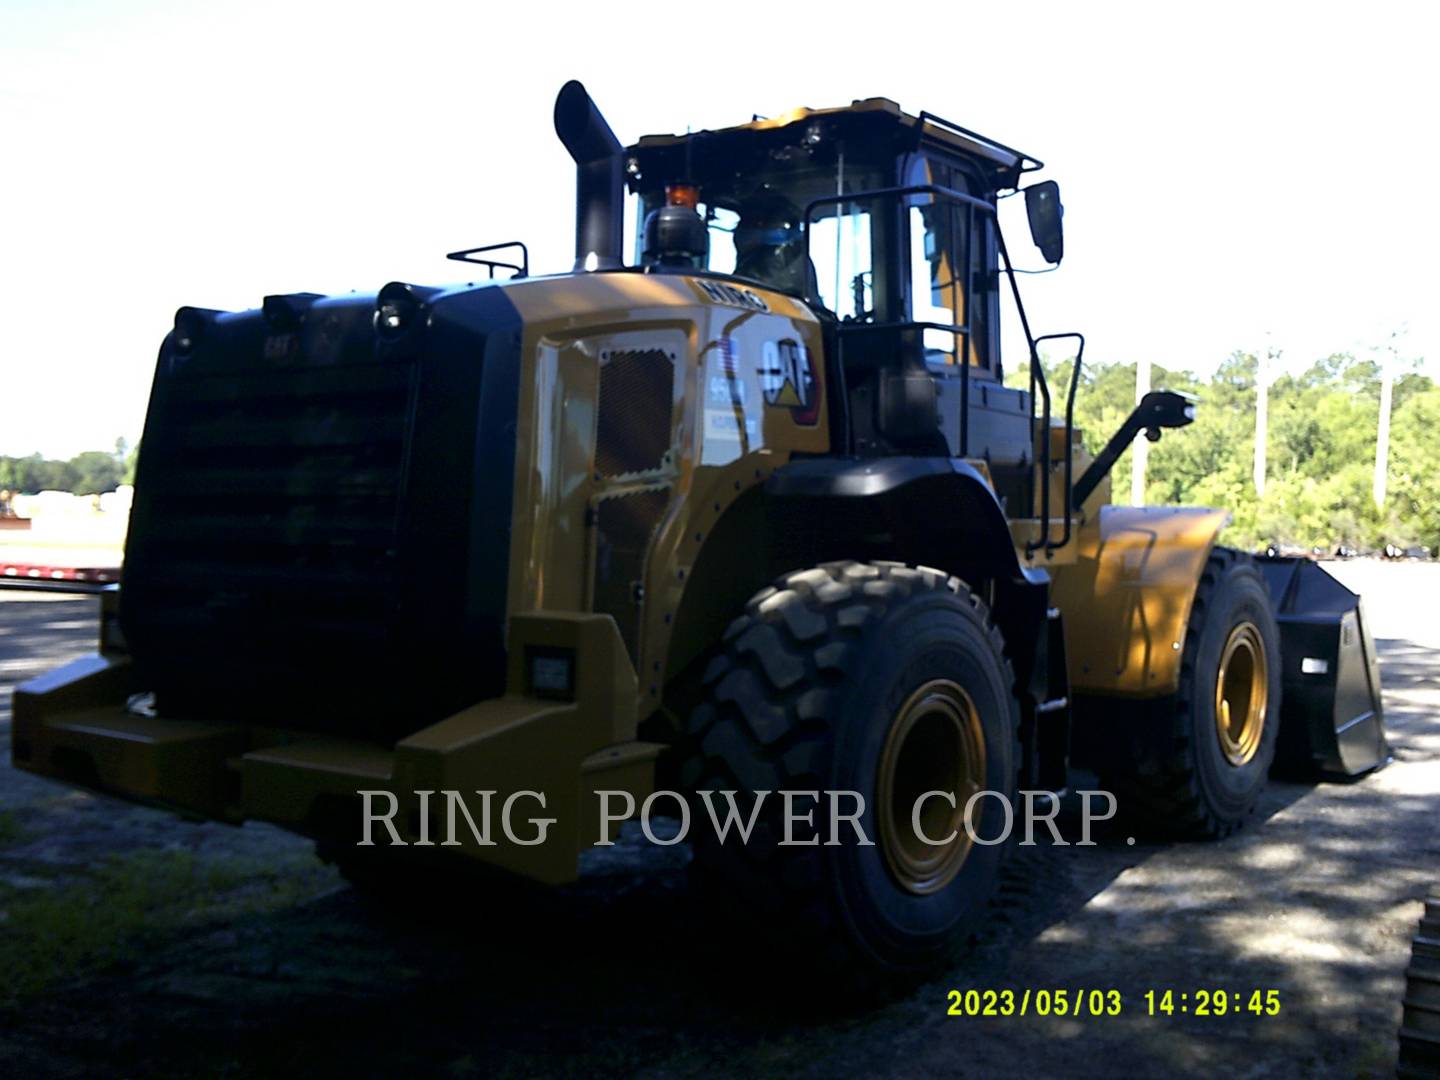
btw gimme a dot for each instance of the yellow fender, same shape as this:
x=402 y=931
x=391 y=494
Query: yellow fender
x=1126 y=599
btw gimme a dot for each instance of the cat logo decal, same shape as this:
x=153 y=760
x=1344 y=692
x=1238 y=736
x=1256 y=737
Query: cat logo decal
x=787 y=377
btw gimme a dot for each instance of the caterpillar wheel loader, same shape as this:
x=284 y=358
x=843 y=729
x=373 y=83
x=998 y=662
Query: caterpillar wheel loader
x=749 y=508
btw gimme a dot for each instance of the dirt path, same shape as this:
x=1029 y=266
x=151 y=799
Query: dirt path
x=134 y=944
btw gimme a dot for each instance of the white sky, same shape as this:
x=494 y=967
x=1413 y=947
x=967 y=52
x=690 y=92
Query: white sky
x=1232 y=173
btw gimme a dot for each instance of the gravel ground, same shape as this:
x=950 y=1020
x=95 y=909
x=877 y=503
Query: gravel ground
x=134 y=944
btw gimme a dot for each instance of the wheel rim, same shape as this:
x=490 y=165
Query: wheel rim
x=1241 y=688
x=935 y=743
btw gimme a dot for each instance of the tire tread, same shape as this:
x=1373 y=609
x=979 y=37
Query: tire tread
x=729 y=751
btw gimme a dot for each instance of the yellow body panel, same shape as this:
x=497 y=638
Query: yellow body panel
x=1126 y=598
x=726 y=435
x=73 y=725
x=735 y=416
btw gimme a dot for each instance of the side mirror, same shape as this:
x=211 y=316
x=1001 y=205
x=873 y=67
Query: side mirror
x=1043 y=208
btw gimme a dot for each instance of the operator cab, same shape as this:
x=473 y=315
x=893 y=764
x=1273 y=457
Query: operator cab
x=884 y=223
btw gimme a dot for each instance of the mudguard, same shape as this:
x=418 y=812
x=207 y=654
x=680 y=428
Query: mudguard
x=939 y=507
x=1127 y=597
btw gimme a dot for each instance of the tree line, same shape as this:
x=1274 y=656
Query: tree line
x=1320 y=450
x=90 y=473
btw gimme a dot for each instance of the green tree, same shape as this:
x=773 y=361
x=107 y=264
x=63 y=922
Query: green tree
x=95 y=472
x=1414 y=477
x=54 y=475
x=1320 y=449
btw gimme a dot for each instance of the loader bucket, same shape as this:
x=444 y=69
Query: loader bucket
x=1331 y=719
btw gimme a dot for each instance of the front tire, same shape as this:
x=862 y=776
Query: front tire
x=874 y=678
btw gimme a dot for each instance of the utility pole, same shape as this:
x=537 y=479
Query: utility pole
x=1262 y=418
x=1382 y=437
x=1140 y=447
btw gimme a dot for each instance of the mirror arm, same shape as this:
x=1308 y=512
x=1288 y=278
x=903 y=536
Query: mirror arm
x=1157 y=409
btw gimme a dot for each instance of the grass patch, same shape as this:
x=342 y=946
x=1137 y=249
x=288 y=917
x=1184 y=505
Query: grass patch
x=131 y=903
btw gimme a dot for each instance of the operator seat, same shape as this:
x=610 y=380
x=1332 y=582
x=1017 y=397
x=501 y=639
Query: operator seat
x=770 y=247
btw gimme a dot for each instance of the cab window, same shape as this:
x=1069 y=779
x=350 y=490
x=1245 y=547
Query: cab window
x=942 y=252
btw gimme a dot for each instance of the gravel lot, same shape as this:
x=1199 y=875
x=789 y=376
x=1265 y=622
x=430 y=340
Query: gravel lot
x=134 y=944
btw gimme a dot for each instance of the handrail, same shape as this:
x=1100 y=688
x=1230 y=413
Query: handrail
x=939 y=121
x=896 y=192
x=1037 y=371
x=1069 y=435
x=522 y=269
x=1037 y=377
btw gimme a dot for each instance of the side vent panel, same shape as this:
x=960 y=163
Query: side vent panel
x=636 y=399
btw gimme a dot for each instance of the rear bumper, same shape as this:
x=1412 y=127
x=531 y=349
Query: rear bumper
x=73 y=725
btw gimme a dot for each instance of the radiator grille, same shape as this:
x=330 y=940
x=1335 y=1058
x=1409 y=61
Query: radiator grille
x=265 y=566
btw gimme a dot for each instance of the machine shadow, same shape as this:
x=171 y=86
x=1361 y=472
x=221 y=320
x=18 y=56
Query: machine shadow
x=628 y=967
x=595 y=978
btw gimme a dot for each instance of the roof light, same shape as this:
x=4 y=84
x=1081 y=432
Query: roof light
x=686 y=195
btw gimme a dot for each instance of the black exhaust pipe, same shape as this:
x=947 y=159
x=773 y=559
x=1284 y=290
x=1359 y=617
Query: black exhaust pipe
x=599 y=178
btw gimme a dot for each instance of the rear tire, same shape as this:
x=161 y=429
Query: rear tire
x=1214 y=757
x=875 y=678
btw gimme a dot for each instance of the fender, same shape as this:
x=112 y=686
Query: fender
x=932 y=511
x=940 y=510
x=1128 y=595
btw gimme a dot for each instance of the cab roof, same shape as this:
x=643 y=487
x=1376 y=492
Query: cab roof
x=1005 y=163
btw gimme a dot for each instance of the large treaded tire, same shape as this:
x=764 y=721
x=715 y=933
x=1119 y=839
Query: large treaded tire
x=1420 y=1022
x=1186 y=787
x=800 y=696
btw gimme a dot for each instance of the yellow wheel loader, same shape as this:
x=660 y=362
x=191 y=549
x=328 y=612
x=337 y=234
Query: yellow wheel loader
x=746 y=511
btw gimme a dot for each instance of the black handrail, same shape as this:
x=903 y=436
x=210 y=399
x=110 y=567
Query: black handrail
x=1037 y=371
x=522 y=269
x=1037 y=378
x=1034 y=165
x=897 y=192
x=1069 y=434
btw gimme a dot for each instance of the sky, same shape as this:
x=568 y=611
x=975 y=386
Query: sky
x=1235 y=176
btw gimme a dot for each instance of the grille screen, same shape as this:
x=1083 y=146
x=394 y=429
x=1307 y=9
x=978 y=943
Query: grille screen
x=636 y=395
x=272 y=562
x=321 y=519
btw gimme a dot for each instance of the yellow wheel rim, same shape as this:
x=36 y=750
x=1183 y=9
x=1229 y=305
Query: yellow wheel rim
x=935 y=743
x=1242 y=686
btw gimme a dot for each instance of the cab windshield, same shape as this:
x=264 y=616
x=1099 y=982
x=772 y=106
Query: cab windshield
x=753 y=218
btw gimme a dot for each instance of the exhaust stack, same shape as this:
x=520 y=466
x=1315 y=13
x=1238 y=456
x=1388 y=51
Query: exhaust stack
x=599 y=178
